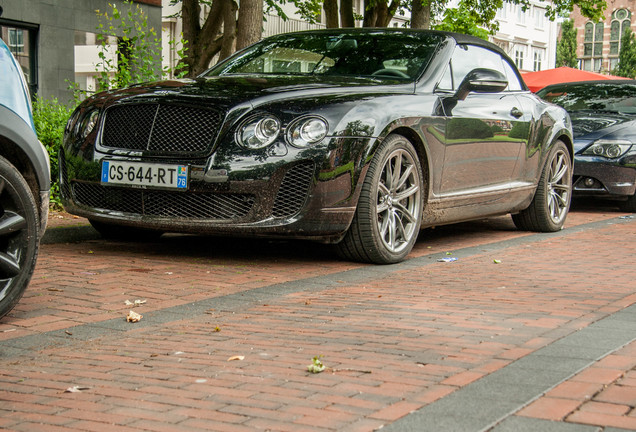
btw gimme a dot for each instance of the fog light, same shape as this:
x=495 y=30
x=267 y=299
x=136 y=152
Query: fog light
x=589 y=182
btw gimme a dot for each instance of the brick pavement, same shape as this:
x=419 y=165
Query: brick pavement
x=395 y=339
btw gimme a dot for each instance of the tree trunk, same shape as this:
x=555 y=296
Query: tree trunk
x=250 y=23
x=331 y=13
x=229 y=29
x=382 y=14
x=421 y=14
x=202 y=43
x=346 y=14
x=370 y=14
x=190 y=11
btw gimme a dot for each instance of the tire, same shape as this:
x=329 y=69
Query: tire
x=551 y=201
x=389 y=212
x=19 y=236
x=124 y=233
x=629 y=205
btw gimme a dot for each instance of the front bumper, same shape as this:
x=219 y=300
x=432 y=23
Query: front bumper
x=598 y=177
x=299 y=197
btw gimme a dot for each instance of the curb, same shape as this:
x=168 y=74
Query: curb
x=69 y=234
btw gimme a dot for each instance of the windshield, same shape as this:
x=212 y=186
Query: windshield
x=388 y=55
x=596 y=96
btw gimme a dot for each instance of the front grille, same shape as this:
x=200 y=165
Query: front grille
x=191 y=205
x=293 y=190
x=160 y=129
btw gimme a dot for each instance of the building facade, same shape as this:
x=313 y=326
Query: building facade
x=528 y=36
x=599 y=43
x=44 y=35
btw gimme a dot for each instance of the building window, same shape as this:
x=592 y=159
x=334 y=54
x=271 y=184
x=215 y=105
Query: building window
x=502 y=13
x=537 y=61
x=521 y=15
x=621 y=23
x=16 y=41
x=593 y=45
x=519 y=58
x=539 y=17
x=21 y=40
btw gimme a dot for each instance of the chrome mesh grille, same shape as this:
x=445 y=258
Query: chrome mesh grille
x=293 y=190
x=160 y=129
x=192 y=205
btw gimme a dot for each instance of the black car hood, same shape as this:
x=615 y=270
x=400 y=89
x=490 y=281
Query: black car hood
x=588 y=126
x=595 y=122
x=238 y=89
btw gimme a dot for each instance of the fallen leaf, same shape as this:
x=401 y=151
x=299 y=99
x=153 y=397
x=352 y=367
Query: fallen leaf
x=133 y=317
x=237 y=357
x=496 y=261
x=316 y=365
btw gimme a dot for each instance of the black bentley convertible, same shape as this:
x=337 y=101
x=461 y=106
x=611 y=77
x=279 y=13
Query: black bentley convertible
x=356 y=137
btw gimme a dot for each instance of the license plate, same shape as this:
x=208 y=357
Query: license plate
x=143 y=174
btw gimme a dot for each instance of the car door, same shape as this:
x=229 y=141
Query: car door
x=485 y=132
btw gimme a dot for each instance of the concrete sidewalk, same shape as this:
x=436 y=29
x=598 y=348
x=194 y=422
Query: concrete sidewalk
x=540 y=340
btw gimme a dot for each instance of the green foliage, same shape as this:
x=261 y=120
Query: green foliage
x=463 y=20
x=566 y=46
x=50 y=118
x=309 y=10
x=627 y=57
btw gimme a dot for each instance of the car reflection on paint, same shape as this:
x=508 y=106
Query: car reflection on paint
x=355 y=137
x=24 y=184
x=603 y=117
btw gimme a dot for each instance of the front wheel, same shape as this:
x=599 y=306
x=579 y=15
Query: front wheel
x=389 y=213
x=19 y=237
x=551 y=201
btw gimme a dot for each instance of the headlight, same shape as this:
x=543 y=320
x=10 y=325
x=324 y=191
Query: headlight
x=258 y=132
x=89 y=123
x=610 y=149
x=306 y=131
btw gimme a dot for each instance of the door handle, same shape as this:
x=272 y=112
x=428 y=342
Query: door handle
x=516 y=112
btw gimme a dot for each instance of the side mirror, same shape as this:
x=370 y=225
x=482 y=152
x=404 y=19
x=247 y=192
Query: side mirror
x=481 y=81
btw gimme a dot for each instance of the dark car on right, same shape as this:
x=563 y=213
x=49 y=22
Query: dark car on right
x=603 y=117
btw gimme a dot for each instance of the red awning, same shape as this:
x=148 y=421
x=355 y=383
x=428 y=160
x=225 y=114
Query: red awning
x=537 y=80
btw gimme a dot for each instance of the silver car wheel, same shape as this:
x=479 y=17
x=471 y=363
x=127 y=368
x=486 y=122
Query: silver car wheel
x=559 y=186
x=551 y=202
x=398 y=201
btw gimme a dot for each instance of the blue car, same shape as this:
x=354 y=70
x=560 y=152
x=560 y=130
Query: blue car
x=24 y=184
x=603 y=117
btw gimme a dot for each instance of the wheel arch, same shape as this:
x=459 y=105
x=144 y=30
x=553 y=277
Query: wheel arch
x=422 y=153
x=19 y=159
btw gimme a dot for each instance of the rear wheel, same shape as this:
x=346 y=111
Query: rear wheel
x=551 y=201
x=125 y=233
x=389 y=213
x=19 y=237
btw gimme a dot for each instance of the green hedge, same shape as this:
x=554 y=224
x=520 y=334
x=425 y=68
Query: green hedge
x=50 y=117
